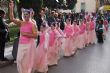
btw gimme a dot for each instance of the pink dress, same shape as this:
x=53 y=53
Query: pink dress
x=41 y=63
x=85 y=33
x=75 y=37
x=68 y=47
x=53 y=50
x=60 y=40
x=26 y=49
x=92 y=34
x=88 y=33
x=82 y=39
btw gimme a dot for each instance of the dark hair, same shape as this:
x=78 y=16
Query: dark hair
x=100 y=21
x=69 y=19
x=53 y=23
x=43 y=25
x=2 y=12
x=58 y=24
x=52 y=12
x=42 y=10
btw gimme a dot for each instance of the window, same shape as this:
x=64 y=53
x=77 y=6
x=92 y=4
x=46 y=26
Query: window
x=83 y=6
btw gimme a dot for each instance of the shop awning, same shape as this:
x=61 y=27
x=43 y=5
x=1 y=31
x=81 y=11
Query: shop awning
x=107 y=7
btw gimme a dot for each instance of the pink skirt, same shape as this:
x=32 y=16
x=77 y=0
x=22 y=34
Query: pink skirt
x=25 y=57
x=41 y=63
x=59 y=46
x=63 y=44
x=81 y=41
x=88 y=37
x=75 y=43
x=77 y=39
x=68 y=47
x=92 y=36
x=85 y=38
x=59 y=43
x=53 y=53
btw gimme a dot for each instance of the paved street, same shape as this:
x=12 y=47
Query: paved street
x=93 y=59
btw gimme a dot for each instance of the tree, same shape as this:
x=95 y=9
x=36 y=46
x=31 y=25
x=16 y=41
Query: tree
x=38 y=4
x=4 y=6
x=50 y=3
x=60 y=4
x=71 y=3
x=35 y=4
x=3 y=3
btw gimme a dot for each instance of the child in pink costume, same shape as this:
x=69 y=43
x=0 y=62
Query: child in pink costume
x=68 y=49
x=61 y=39
x=76 y=31
x=85 y=32
x=92 y=34
x=53 y=50
x=41 y=63
x=82 y=35
x=88 y=41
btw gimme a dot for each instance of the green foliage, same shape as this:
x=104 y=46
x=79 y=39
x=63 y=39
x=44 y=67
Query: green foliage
x=41 y=3
x=18 y=1
x=13 y=32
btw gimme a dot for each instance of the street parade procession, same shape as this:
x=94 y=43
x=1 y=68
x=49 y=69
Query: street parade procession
x=44 y=40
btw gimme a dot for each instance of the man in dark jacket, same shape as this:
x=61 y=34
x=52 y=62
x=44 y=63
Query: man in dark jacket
x=99 y=31
x=40 y=19
x=3 y=35
x=51 y=18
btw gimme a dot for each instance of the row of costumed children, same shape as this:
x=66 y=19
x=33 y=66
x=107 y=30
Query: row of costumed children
x=53 y=40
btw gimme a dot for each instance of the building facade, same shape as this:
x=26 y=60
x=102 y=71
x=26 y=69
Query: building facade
x=86 y=5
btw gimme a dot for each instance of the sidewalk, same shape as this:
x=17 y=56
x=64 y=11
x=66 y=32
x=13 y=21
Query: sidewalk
x=8 y=55
x=8 y=52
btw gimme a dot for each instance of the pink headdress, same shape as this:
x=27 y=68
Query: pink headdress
x=26 y=10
